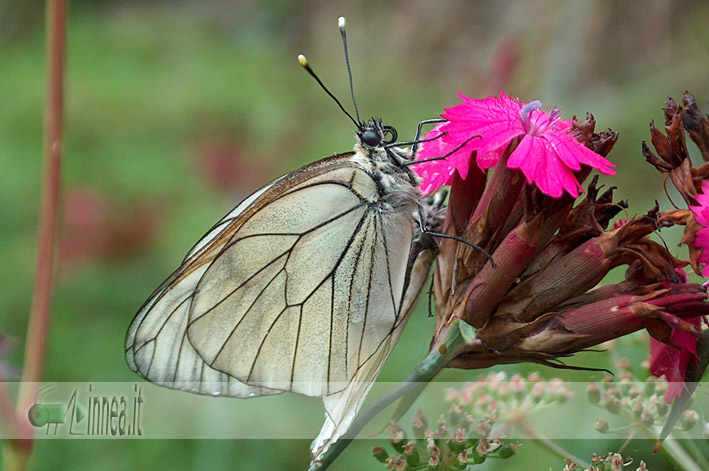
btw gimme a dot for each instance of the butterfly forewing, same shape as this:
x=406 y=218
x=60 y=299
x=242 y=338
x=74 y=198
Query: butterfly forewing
x=157 y=346
x=227 y=220
x=293 y=290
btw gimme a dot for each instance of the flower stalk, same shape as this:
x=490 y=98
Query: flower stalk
x=17 y=452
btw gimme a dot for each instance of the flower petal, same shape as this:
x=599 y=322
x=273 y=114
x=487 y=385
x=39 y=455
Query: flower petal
x=701 y=212
x=496 y=120
x=437 y=173
x=574 y=154
x=539 y=163
x=672 y=360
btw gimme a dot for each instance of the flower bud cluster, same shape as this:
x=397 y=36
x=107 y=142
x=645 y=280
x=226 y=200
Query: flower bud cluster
x=642 y=405
x=674 y=348
x=508 y=401
x=474 y=425
x=455 y=442
x=609 y=462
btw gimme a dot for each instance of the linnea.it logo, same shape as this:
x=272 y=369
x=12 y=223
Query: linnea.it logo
x=83 y=411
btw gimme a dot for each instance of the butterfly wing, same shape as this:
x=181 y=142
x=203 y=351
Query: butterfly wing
x=157 y=347
x=293 y=291
x=341 y=408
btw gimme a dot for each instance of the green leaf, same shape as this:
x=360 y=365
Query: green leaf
x=468 y=332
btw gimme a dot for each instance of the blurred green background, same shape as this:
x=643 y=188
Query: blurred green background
x=176 y=110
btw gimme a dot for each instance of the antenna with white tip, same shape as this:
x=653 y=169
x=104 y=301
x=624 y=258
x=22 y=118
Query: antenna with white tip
x=304 y=62
x=341 y=25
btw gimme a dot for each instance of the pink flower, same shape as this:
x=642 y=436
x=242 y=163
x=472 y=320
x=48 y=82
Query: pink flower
x=439 y=173
x=547 y=153
x=672 y=362
x=701 y=215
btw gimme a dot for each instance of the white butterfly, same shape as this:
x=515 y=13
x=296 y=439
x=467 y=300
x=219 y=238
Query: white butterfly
x=304 y=287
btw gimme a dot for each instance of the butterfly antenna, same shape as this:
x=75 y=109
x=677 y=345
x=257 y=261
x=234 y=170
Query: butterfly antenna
x=304 y=62
x=341 y=25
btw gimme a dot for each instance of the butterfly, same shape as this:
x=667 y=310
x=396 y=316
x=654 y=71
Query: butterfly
x=305 y=286
x=294 y=289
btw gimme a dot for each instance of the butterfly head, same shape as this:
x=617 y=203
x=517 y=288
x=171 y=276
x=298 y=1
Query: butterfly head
x=374 y=134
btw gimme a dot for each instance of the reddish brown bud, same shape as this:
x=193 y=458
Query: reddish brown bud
x=654 y=160
x=491 y=284
x=675 y=132
x=603 y=142
x=697 y=124
x=662 y=145
x=584 y=129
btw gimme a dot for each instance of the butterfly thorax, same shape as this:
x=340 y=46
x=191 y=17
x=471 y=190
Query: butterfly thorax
x=398 y=185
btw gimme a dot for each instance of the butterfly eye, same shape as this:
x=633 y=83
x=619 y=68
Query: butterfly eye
x=371 y=138
x=390 y=134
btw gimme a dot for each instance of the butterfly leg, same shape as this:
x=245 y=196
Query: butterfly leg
x=424 y=230
x=418 y=134
x=430 y=296
x=418 y=139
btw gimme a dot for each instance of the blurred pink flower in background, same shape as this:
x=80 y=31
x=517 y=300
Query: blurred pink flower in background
x=227 y=167
x=95 y=229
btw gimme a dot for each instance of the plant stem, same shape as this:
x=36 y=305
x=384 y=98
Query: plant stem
x=38 y=328
x=699 y=453
x=550 y=445
x=678 y=455
x=439 y=356
x=628 y=438
x=40 y=312
x=10 y=421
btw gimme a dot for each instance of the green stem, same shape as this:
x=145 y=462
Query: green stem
x=455 y=339
x=677 y=454
x=550 y=445
x=699 y=453
x=630 y=436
